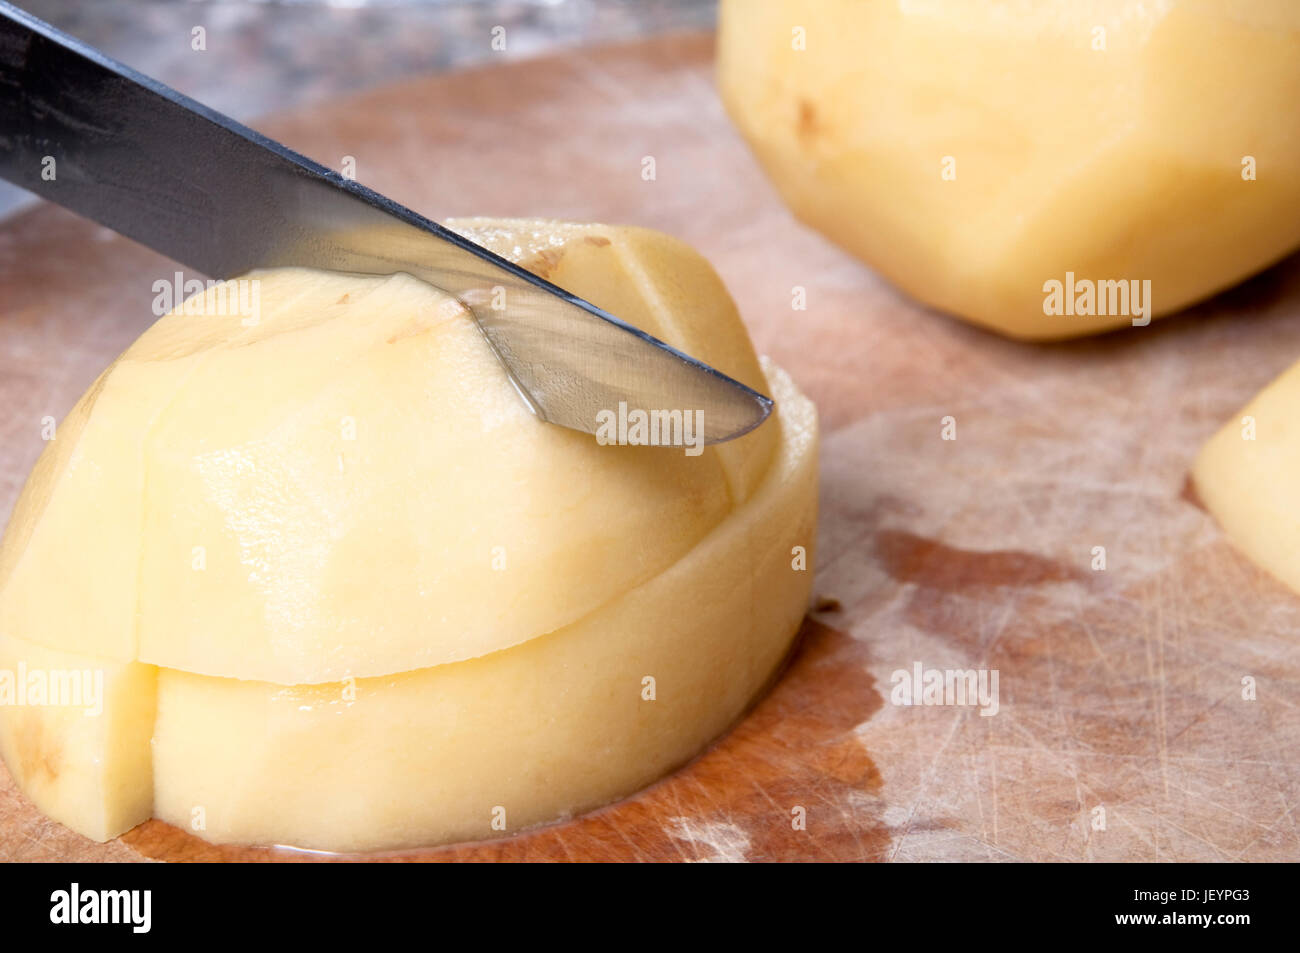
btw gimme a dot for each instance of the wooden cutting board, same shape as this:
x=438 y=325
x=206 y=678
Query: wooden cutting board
x=1121 y=734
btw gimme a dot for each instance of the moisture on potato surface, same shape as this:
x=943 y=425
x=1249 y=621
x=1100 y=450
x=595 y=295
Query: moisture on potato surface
x=341 y=590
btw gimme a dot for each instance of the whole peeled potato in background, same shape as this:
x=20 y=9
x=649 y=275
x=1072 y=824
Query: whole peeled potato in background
x=972 y=151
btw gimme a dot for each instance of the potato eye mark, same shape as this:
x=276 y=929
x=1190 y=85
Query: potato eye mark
x=38 y=751
x=807 y=126
x=544 y=263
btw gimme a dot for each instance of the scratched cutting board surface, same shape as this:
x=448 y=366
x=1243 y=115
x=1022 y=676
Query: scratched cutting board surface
x=1120 y=691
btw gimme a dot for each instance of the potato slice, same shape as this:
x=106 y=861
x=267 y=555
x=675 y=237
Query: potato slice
x=553 y=726
x=1246 y=475
x=70 y=558
x=75 y=733
x=973 y=152
x=371 y=496
x=658 y=284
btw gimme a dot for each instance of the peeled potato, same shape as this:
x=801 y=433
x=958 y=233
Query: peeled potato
x=531 y=734
x=1248 y=476
x=366 y=592
x=972 y=152
x=82 y=756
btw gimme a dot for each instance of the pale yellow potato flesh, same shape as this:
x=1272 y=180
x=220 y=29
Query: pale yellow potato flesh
x=523 y=736
x=264 y=462
x=83 y=757
x=1248 y=477
x=652 y=281
x=445 y=470
x=202 y=524
x=1122 y=163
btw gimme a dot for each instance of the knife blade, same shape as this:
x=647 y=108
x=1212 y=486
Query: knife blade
x=153 y=165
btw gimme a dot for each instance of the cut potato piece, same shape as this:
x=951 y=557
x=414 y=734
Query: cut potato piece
x=363 y=422
x=379 y=598
x=70 y=558
x=519 y=737
x=75 y=733
x=658 y=284
x=385 y=435
x=973 y=152
x=1248 y=476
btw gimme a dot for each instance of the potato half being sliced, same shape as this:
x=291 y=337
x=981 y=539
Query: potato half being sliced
x=370 y=597
x=561 y=723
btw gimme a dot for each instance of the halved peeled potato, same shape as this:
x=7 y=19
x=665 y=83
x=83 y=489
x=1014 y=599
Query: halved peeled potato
x=373 y=601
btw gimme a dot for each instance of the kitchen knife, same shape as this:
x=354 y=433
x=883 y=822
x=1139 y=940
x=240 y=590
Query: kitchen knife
x=166 y=171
